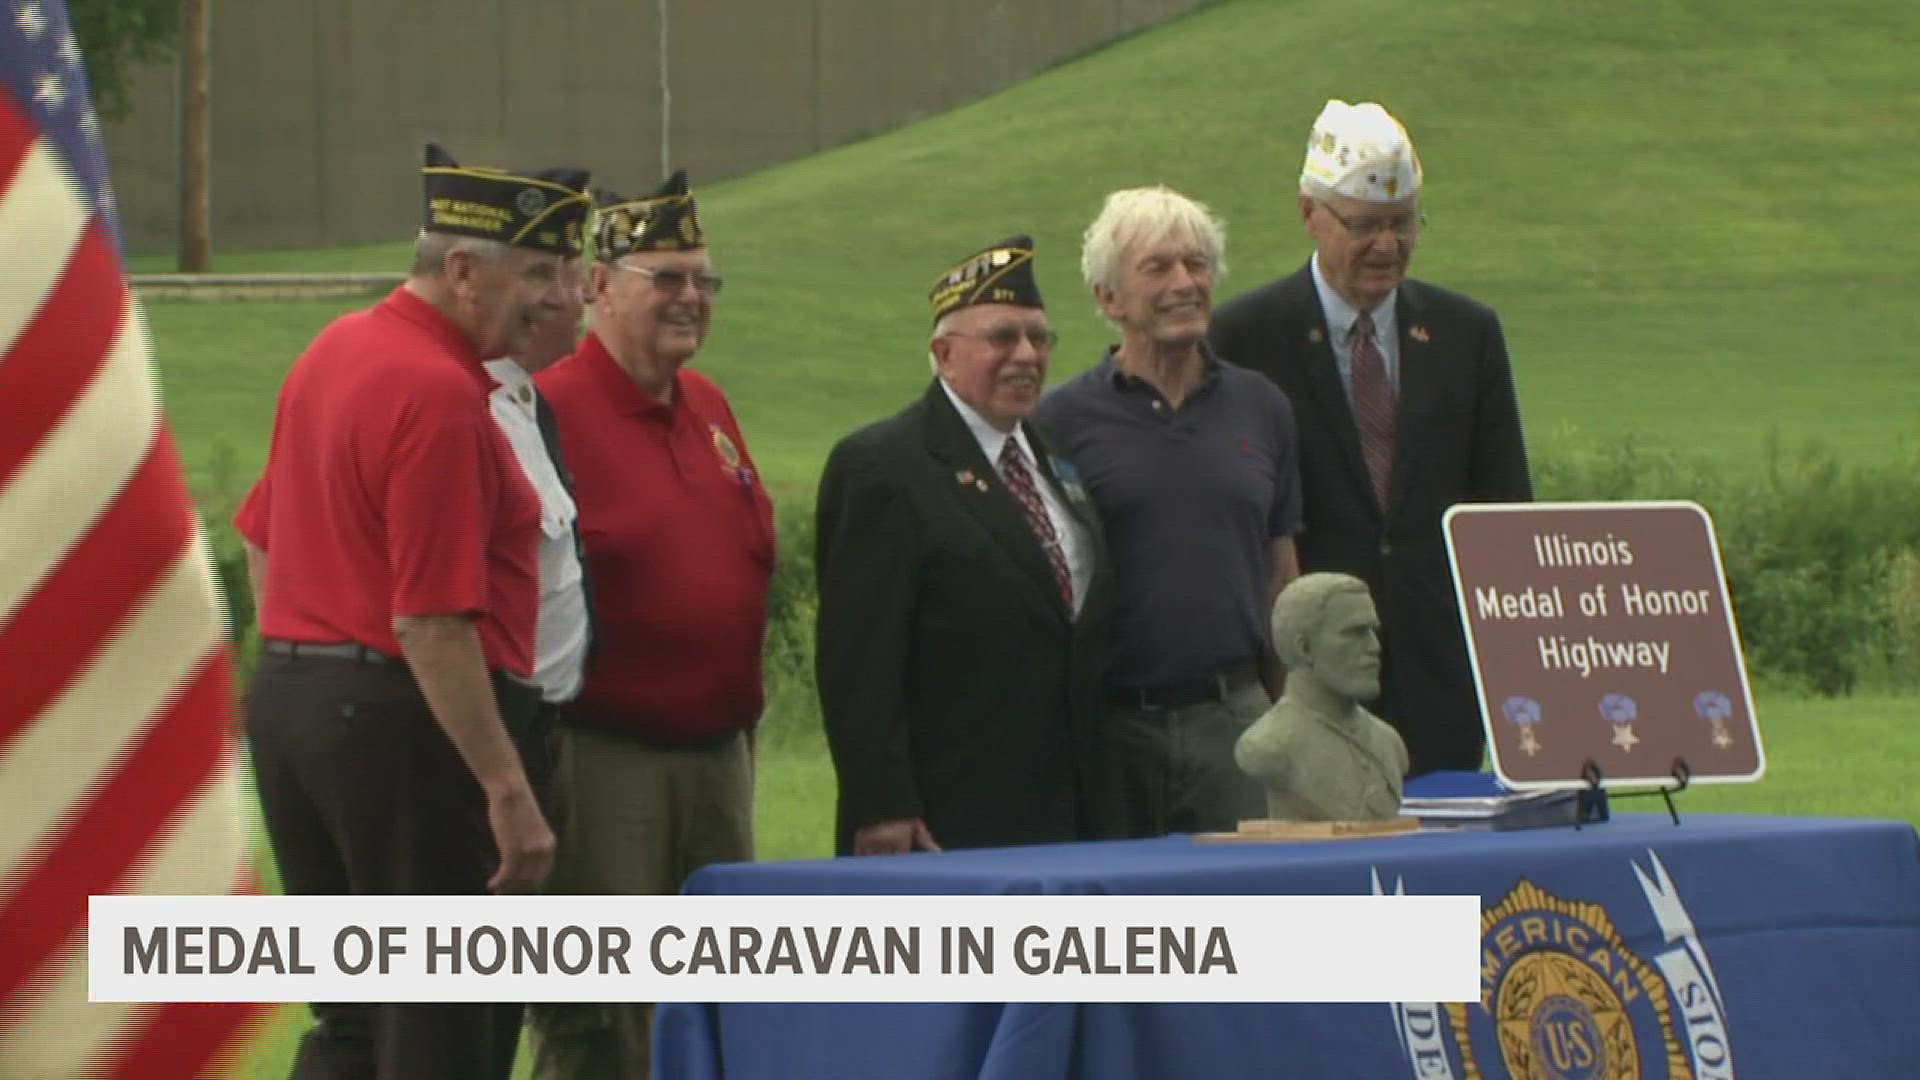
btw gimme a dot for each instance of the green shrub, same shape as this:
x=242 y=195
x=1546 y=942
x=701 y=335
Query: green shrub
x=1820 y=558
x=793 y=709
x=1807 y=545
x=1903 y=609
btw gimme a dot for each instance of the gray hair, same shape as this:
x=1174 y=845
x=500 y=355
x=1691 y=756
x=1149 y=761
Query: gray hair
x=1148 y=214
x=430 y=250
x=1301 y=607
x=940 y=329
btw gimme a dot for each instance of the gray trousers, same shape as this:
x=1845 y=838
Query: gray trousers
x=1160 y=771
x=634 y=820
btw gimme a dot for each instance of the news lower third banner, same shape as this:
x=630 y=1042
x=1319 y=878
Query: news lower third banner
x=784 y=948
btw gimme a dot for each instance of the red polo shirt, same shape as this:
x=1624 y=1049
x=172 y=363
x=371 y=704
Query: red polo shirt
x=679 y=539
x=390 y=491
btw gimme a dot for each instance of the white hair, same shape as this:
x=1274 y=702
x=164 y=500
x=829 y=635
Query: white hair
x=1148 y=215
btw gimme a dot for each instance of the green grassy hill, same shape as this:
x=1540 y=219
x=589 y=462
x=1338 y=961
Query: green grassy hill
x=1687 y=213
x=1690 y=215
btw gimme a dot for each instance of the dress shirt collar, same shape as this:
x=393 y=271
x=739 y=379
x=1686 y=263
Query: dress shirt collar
x=1341 y=315
x=991 y=439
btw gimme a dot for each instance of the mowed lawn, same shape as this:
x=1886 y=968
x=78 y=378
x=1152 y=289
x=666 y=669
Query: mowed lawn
x=1685 y=213
x=1681 y=211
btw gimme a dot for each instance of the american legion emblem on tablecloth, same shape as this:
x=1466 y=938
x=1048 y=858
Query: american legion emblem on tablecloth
x=1562 y=996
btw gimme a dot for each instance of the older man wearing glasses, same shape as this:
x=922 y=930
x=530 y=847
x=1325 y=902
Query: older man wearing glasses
x=1406 y=407
x=963 y=592
x=654 y=777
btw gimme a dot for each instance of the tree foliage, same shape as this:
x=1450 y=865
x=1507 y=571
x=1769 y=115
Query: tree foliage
x=114 y=36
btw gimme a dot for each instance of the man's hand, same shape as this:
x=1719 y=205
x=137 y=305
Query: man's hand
x=451 y=668
x=893 y=838
x=525 y=842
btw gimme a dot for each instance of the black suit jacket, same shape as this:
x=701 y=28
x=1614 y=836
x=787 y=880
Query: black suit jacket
x=1458 y=440
x=954 y=684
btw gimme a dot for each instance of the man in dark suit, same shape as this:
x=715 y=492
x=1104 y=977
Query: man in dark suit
x=1406 y=406
x=963 y=592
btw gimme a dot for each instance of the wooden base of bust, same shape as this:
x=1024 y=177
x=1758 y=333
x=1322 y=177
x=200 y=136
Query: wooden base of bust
x=1270 y=829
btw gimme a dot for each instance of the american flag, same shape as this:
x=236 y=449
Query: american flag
x=117 y=765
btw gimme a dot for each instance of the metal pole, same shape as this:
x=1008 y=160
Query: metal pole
x=196 y=244
x=666 y=99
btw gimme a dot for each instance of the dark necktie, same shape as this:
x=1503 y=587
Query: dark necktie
x=1013 y=468
x=1374 y=407
x=543 y=418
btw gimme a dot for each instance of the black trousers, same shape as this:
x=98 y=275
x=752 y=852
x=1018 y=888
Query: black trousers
x=364 y=794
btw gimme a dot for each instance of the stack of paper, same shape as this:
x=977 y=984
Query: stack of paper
x=1510 y=810
x=1477 y=800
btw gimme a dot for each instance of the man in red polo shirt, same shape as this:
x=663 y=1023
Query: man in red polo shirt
x=392 y=544
x=655 y=775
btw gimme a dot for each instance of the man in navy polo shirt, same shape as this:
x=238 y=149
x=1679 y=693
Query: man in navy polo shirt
x=1192 y=465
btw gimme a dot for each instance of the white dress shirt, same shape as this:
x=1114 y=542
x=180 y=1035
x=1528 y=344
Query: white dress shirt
x=560 y=635
x=1340 y=319
x=1075 y=544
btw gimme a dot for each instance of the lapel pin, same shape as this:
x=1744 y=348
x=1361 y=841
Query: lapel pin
x=1419 y=334
x=964 y=476
x=981 y=483
x=1316 y=335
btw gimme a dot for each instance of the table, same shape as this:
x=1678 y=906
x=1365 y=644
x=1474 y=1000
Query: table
x=1780 y=947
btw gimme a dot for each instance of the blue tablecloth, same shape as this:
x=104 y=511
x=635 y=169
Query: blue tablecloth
x=1726 y=945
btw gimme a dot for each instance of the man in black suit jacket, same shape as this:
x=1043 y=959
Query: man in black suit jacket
x=1406 y=407
x=963 y=592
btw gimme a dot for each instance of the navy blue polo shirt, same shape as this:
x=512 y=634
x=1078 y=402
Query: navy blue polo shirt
x=1192 y=500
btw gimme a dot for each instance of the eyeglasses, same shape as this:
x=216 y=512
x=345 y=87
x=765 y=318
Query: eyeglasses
x=1008 y=337
x=1402 y=224
x=672 y=282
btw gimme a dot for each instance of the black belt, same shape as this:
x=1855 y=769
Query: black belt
x=579 y=719
x=312 y=650
x=1215 y=686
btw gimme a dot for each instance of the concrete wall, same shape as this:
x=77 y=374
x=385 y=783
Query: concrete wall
x=320 y=106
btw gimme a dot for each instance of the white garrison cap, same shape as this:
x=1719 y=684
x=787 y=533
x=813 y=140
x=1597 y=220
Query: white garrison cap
x=1362 y=152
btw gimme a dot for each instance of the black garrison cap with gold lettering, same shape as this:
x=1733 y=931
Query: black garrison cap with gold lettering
x=544 y=210
x=999 y=274
x=666 y=220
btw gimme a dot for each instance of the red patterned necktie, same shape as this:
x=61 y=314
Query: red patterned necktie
x=1374 y=407
x=1013 y=468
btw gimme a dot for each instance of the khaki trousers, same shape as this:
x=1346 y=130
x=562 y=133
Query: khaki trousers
x=634 y=819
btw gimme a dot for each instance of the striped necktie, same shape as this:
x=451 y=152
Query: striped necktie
x=1374 y=407
x=1013 y=469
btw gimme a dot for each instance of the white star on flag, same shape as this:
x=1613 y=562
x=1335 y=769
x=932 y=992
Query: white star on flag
x=48 y=91
x=32 y=23
x=70 y=50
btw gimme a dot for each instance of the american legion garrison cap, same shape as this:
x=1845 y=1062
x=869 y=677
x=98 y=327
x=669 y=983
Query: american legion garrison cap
x=666 y=220
x=1362 y=152
x=544 y=210
x=999 y=274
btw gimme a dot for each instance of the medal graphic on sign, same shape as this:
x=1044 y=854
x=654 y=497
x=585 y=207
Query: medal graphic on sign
x=1714 y=707
x=1524 y=713
x=1620 y=711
